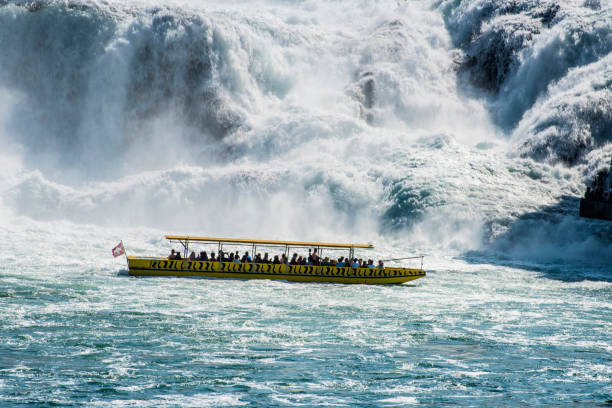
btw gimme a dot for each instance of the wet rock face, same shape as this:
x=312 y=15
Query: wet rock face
x=89 y=72
x=567 y=127
x=174 y=65
x=363 y=91
x=492 y=35
x=545 y=66
x=493 y=55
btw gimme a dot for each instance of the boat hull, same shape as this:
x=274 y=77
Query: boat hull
x=140 y=266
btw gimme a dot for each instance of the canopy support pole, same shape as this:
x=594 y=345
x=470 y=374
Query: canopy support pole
x=253 y=257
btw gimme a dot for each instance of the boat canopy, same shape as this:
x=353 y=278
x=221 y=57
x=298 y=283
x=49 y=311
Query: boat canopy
x=182 y=238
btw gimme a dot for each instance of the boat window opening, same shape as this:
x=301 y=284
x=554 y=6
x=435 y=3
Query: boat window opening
x=281 y=252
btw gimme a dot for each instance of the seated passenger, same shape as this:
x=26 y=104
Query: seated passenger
x=212 y=257
x=284 y=259
x=381 y=265
x=172 y=255
x=355 y=264
x=301 y=260
x=265 y=258
x=177 y=255
x=246 y=257
x=326 y=262
x=258 y=258
x=203 y=256
x=276 y=261
x=371 y=264
x=294 y=259
x=237 y=259
x=192 y=256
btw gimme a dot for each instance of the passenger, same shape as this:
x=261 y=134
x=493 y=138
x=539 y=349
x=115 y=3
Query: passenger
x=265 y=258
x=300 y=260
x=326 y=262
x=284 y=259
x=381 y=265
x=237 y=259
x=340 y=262
x=355 y=264
x=371 y=264
x=246 y=257
x=231 y=257
x=204 y=256
x=316 y=260
x=172 y=255
x=212 y=257
x=192 y=256
x=258 y=258
x=276 y=261
x=294 y=259
x=177 y=255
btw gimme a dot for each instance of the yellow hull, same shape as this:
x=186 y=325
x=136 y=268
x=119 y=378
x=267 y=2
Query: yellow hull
x=298 y=273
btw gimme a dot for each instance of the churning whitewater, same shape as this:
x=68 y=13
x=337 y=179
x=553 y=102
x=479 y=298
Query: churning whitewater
x=465 y=131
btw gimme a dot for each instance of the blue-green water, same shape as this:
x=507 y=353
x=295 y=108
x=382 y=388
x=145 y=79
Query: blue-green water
x=466 y=335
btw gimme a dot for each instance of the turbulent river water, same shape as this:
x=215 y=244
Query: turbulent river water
x=464 y=131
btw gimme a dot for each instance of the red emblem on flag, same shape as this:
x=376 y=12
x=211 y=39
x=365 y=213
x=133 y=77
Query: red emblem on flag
x=118 y=250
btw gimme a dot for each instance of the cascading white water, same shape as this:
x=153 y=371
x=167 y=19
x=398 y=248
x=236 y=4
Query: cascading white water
x=217 y=118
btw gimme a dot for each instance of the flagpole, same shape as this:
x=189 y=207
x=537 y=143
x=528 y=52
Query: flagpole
x=127 y=263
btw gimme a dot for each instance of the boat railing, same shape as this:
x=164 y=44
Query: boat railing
x=407 y=258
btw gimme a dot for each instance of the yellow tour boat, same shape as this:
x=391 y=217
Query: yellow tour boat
x=156 y=266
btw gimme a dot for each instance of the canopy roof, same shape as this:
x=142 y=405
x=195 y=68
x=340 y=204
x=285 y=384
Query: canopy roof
x=266 y=242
